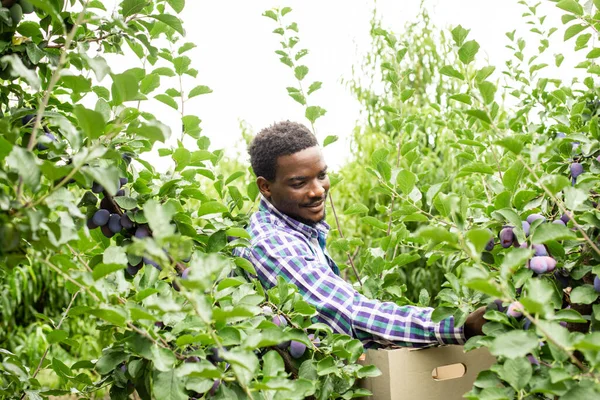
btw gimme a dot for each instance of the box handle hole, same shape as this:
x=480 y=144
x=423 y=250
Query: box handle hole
x=452 y=371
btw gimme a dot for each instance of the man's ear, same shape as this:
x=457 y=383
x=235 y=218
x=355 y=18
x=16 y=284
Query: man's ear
x=264 y=186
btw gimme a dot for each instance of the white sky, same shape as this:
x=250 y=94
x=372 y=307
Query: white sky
x=235 y=57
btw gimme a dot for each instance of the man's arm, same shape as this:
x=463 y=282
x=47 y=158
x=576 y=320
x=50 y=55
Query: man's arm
x=342 y=307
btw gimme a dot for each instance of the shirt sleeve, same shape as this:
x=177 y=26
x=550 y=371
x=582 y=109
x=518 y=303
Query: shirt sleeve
x=339 y=305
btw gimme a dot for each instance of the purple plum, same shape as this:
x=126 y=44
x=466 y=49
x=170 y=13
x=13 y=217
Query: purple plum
x=507 y=236
x=280 y=321
x=533 y=360
x=535 y=217
x=526 y=226
x=559 y=222
x=315 y=340
x=515 y=310
x=597 y=284
x=185 y=273
x=540 y=250
x=566 y=217
x=576 y=170
x=490 y=245
x=297 y=349
x=542 y=264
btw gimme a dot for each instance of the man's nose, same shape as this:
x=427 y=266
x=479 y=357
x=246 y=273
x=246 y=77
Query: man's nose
x=317 y=190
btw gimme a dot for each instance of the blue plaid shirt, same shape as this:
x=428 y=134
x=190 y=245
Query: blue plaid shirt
x=281 y=246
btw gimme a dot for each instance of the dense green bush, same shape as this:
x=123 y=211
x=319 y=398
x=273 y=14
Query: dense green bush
x=146 y=295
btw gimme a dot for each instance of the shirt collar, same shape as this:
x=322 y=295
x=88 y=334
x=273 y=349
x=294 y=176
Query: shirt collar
x=307 y=230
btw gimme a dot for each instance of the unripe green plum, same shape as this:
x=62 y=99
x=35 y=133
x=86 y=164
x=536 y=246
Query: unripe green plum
x=16 y=13
x=26 y=6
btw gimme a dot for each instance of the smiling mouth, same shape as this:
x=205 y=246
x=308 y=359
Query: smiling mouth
x=315 y=205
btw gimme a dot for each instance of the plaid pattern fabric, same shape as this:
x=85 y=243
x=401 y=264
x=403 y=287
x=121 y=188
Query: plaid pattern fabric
x=281 y=246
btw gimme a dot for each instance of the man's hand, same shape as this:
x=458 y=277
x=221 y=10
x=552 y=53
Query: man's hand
x=474 y=323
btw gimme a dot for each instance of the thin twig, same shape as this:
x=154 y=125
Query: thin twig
x=39 y=366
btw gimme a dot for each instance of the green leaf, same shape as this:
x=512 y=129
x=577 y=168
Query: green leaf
x=300 y=72
x=212 y=207
x=25 y=164
x=468 y=51
x=113 y=316
x=574 y=197
x=488 y=91
x=547 y=232
x=514 y=344
x=56 y=336
x=479 y=238
x=463 y=98
x=573 y=30
x=198 y=90
x=171 y=21
x=516 y=258
x=437 y=234
x=270 y=14
x=92 y=122
x=330 y=139
x=177 y=5
x=159 y=218
x=245 y=265
x=449 y=70
x=168 y=100
x=101 y=270
x=511 y=143
x=459 y=34
x=356 y=208
x=314 y=87
x=273 y=364
x=406 y=181
x=479 y=114
x=594 y=53
x=115 y=255
x=19 y=69
x=314 y=112
x=150 y=83
x=168 y=386
x=584 y=294
x=571 y=6
x=130 y=7
x=125 y=202
x=124 y=87
x=406 y=94
x=555 y=183
x=108 y=177
x=517 y=372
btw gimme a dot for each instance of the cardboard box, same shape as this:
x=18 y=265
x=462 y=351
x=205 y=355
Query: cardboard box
x=435 y=373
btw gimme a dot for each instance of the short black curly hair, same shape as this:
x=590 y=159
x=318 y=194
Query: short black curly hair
x=280 y=139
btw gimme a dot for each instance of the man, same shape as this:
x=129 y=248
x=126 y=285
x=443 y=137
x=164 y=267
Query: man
x=288 y=236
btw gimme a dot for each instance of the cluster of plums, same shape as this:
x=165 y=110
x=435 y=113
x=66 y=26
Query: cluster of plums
x=109 y=217
x=541 y=262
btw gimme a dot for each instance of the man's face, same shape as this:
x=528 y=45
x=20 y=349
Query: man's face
x=300 y=186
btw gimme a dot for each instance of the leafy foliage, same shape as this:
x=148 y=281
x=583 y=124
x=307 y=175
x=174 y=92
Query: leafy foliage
x=118 y=278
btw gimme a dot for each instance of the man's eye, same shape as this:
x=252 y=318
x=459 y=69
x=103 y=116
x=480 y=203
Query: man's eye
x=323 y=175
x=297 y=185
